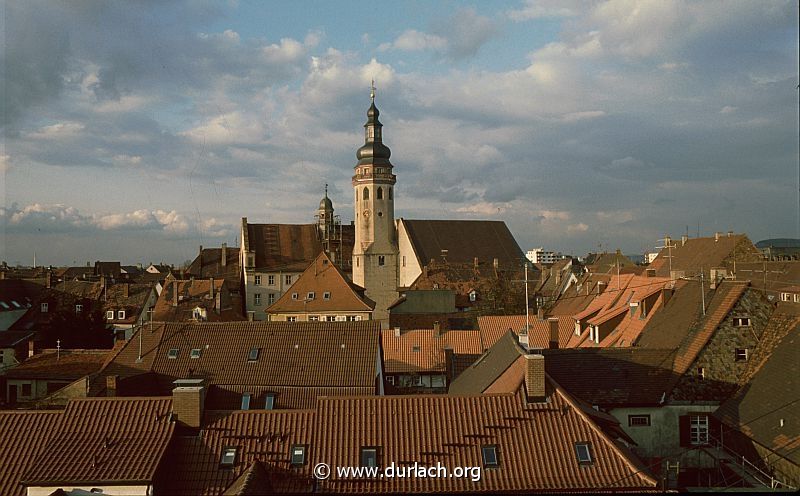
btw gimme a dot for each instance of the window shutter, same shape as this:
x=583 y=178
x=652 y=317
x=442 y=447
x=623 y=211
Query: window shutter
x=683 y=428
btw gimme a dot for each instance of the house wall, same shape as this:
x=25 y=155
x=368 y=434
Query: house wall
x=264 y=289
x=342 y=315
x=7 y=358
x=38 y=388
x=107 y=490
x=662 y=438
x=718 y=360
x=411 y=269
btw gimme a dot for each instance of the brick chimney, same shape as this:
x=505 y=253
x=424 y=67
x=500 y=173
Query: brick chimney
x=31 y=348
x=437 y=329
x=188 y=400
x=224 y=252
x=111 y=385
x=534 y=378
x=126 y=290
x=174 y=293
x=48 y=279
x=553 y=323
x=211 y=287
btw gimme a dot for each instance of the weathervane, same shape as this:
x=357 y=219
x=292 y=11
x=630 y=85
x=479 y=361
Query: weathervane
x=372 y=91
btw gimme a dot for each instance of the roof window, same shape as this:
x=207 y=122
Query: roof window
x=415 y=348
x=311 y=295
x=489 y=453
x=228 y=457
x=246 y=401
x=298 y=455
x=172 y=353
x=584 y=453
x=294 y=296
x=195 y=353
x=369 y=457
x=269 y=401
x=253 y=355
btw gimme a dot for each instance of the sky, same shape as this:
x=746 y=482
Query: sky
x=136 y=131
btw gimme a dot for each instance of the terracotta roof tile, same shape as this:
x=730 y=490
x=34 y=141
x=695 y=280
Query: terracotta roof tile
x=283 y=246
x=105 y=441
x=420 y=350
x=23 y=436
x=705 y=253
x=494 y=327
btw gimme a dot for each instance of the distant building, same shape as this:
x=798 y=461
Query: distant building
x=542 y=256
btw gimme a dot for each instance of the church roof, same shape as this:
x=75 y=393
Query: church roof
x=464 y=240
x=283 y=246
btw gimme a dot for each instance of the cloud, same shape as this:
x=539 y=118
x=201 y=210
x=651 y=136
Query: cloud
x=484 y=209
x=728 y=109
x=412 y=40
x=538 y=9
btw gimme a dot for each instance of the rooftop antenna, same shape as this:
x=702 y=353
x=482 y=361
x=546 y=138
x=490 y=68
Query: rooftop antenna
x=58 y=349
x=669 y=246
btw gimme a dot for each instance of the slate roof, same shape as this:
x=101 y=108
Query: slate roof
x=464 y=240
x=105 y=441
x=494 y=327
x=613 y=377
x=263 y=437
x=320 y=277
x=68 y=365
x=208 y=263
x=420 y=351
x=491 y=365
x=294 y=357
x=535 y=443
x=23 y=436
x=766 y=409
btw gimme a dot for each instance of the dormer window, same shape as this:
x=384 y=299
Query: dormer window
x=78 y=308
x=121 y=315
x=311 y=295
x=584 y=453
x=245 y=401
x=298 y=455
x=110 y=315
x=741 y=321
x=741 y=354
x=269 y=401
x=294 y=296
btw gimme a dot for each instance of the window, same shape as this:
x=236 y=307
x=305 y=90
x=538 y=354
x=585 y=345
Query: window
x=311 y=295
x=269 y=401
x=741 y=354
x=198 y=313
x=415 y=348
x=258 y=280
x=78 y=308
x=195 y=353
x=120 y=314
x=404 y=260
x=298 y=455
x=256 y=298
x=369 y=457
x=291 y=319
x=701 y=373
x=379 y=193
x=270 y=299
x=639 y=420
x=287 y=280
x=326 y=295
x=228 y=457
x=44 y=307
x=353 y=318
x=741 y=321
x=110 y=315
x=698 y=429
x=489 y=454
x=381 y=260
x=270 y=280
x=172 y=353
x=294 y=296
x=27 y=390
x=390 y=379
x=245 y=401
x=785 y=296
x=366 y=193
x=313 y=318
x=584 y=453
x=253 y=355
x=797 y=298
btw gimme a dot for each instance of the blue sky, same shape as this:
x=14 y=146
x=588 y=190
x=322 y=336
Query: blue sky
x=137 y=131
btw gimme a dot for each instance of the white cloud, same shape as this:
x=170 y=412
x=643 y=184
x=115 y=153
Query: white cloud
x=577 y=228
x=538 y=9
x=728 y=109
x=412 y=40
x=484 y=208
x=59 y=130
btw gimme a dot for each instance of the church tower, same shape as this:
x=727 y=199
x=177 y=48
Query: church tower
x=375 y=252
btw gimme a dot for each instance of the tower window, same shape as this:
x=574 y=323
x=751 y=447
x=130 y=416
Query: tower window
x=381 y=260
x=389 y=191
x=366 y=193
x=379 y=194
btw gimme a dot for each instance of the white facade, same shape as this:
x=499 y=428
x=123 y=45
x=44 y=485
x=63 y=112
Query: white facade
x=539 y=255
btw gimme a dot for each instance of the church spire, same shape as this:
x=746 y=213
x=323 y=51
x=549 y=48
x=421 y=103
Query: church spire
x=374 y=152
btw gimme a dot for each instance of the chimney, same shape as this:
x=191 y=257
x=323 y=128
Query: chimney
x=684 y=239
x=200 y=256
x=174 y=293
x=444 y=255
x=111 y=385
x=540 y=313
x=600 y=286
x=188 y=398
x=425 y=271
x=251 y=316
x=31 y=348
x=126 y=290
x=495 y=263
x=102 y=282
x=224 y=252
x=553 y=333
x=437 y=329
x=211 y=287
x=48 y=278
x=475 y=262
x=730 y=234
x=524 y=339
x=534 y=378
x=716 y=236
x=397 y=332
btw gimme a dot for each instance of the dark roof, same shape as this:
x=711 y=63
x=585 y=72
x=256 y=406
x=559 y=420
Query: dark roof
x=705 y=253
x=464 y=241
x=491 y=365
x=283 y=246
x=18 y=294
x=67 y=365
x=294 y=357
x=195 y=293
x=766 y=409
x=112 y=269
x=208 y=263
x=494 y=327
x=619 y=376
x=669 y=326
x=9 y=339
x=105 y=441
x=23 y=436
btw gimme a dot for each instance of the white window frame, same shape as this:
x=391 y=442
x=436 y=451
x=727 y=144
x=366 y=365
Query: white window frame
x=639 y=420
x=109 y=314
x=741 y=354
x=195 y=353
x=742 y=322
x=287 y=279
x=583 y=452
x=228 y=457
x=270 y=298
x=120 y=314
x=271 y=280
x=291 y=318
x=785 y=296
x=257 y=280
x=326 y=295
x=698 y=430
x=310 y=295
x=257 y=299
x=44 y=307
x=78 y=308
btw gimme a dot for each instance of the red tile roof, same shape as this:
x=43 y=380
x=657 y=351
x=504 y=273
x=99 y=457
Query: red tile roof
x=420 y=351
x=496 y=326
x=535 y=443
x=195 y=293
x=289 y=247
x=105 y=441
x=23 y=436
x=705 y=253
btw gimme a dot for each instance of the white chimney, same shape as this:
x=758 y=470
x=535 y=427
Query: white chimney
x=224 y=251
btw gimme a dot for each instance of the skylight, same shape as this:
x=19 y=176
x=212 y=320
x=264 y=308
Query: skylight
x=490 y=456
x=195 y=353
x=172 y=353
x=253 y=355
x=269 y=401
x=326 y=295
x=583 y=451
x=298 y=455
x=246 y=401
x=228 y=457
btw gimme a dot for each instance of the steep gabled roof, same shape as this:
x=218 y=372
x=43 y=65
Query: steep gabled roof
x=323 y=277
x=208 y=263
x=767 y=410
x=491 y=365
x=105 y=441
x=464 y=241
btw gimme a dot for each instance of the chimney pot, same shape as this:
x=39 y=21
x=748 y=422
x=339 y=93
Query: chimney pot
x=730 y=234
x=437 y=329
x=397 y=332
x=535 y=378
x=475 y=262
x=211 y=287
x=716 y=236
x=111 y=385
x=495 y=263
x=684 y=239
x=553 y=333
